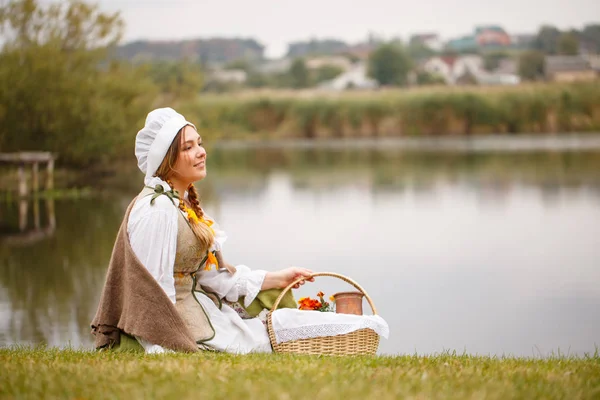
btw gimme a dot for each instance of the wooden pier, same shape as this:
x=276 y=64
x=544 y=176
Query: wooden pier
x=33 y=159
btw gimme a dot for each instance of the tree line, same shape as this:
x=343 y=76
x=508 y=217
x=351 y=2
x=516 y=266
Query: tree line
x=391 y=62
x=61 y=90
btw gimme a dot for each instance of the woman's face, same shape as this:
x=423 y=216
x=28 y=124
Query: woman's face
x=191 y=161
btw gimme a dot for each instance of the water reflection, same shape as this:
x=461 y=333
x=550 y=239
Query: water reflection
x=28 y=232
x=49 y=287
x=385 y=170
x=492 y=252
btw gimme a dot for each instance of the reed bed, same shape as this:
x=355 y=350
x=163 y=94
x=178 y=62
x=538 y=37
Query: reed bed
x=534 y=108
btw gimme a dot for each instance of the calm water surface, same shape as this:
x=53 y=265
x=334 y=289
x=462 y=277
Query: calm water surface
x=460 y=248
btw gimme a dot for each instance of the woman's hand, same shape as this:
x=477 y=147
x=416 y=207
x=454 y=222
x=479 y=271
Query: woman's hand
x=282 y=278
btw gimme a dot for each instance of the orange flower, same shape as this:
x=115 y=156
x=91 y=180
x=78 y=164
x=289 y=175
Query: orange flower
x=306 y=303
x=319 y=304
x=210 y=261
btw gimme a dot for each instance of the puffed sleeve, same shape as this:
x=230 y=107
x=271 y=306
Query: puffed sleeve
x=245 y=282
x=152 y=232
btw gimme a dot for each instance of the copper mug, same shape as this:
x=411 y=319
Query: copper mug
x=348 y=303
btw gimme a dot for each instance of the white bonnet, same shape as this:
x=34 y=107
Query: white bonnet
x=153 y=141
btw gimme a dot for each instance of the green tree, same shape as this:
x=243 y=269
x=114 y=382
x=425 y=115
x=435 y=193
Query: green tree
x=491 y=60
x=591 y=35
x=242 y=64
x=546 y=39
x=531 y=65
x=299 y=74
x=257 y=80
x=568 y=44
x=418 y=51
x=178 y=80
x=389 y=64
x=59 y=90
x=325 y=73
x=426 y=78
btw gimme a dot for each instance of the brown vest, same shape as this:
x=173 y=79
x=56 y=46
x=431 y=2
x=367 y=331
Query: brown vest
x=133 y=302
x=189 y=257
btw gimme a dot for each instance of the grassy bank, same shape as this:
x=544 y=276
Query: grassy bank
x=41 y=373
x=543 y=108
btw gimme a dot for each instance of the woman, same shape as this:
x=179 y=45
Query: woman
x=168 y=284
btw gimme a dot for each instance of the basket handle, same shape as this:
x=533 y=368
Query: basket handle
x=333 y=274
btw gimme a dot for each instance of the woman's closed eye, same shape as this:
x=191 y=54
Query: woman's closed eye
x=190 y=144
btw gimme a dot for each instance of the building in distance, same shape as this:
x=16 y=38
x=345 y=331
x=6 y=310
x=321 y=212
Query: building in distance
x=430 y=40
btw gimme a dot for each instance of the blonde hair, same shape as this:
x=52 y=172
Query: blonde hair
x=201 y=231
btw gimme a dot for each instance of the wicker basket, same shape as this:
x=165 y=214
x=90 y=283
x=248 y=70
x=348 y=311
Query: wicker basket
x=362 y=341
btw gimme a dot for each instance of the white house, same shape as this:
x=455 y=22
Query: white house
x=441 y=66
x=498 y=79
x=453 y=68
x=594 y=61
x=505 y=74
x=468 y=64
x=229 y=75
x=355 y=78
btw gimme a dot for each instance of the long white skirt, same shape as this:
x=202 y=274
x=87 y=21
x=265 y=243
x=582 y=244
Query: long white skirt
x=232 y=333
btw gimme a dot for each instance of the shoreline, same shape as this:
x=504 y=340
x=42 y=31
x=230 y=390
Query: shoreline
x=488 y=142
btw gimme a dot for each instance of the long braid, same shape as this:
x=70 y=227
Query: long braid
x=194 y=201
x=201 y=231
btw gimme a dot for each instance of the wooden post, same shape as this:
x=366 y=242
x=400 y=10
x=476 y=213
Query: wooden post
x=50 y=174
x=51 y=214
x=35 y=185
x=22 y=181
x=36 y=212
x=22 y=214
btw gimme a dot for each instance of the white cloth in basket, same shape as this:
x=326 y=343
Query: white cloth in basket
x=292 y=324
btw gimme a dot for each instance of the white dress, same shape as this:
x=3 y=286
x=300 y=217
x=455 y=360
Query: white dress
x=156 y=248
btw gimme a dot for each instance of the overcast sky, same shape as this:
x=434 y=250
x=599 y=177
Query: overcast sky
x=275 y=23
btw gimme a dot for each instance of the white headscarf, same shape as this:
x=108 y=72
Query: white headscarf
x=153 y=141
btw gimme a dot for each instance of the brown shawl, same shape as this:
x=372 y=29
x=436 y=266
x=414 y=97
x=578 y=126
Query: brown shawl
x=133 y=302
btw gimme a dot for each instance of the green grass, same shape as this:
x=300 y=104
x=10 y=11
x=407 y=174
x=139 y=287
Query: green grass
x=51 y=373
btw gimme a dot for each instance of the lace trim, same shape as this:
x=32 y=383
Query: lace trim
x=311 y=331
x=249 y=286
x=244 y=287
x=251 y=293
